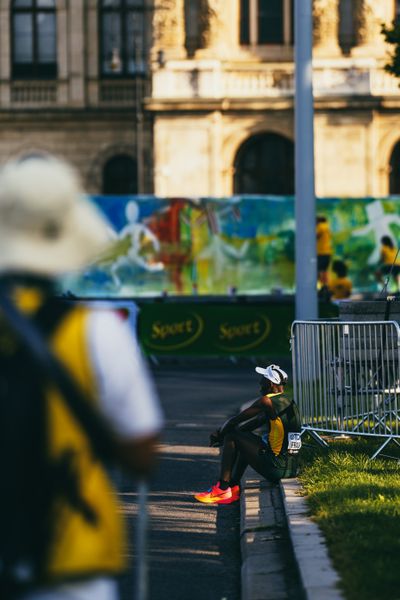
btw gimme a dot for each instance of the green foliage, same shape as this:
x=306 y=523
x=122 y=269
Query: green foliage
x=355 y=502
x=392 y=37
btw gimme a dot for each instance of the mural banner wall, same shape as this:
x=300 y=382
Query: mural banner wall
x=243 y=245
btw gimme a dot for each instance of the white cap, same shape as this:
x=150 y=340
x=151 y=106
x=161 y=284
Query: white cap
x=274 y=373
x=47 y=226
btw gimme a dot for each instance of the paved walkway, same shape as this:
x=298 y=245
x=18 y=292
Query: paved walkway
x=194 y=549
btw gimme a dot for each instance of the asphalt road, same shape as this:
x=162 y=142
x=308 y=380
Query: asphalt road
x=193 y=549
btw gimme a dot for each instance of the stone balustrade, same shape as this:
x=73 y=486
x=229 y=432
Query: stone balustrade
x=210 y=79
x=189 y=80
x=34 y=93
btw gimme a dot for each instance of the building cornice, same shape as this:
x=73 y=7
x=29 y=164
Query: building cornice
x=274 y=104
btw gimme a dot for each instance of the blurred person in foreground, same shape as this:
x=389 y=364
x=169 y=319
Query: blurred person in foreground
x=48 y=228
x=272 y=454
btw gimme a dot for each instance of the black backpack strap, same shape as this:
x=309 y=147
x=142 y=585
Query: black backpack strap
x=100 y=436
x=289 y=410
x=50 y=314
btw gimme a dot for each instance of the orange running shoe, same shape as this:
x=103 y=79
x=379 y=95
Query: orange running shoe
x=214 y=495
x=234 y=498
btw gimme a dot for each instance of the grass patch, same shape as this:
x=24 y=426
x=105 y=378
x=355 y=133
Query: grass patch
x=356 y=502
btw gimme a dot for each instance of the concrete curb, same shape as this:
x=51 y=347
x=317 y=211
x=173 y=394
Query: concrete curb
x=319 y=578
x=261 y=527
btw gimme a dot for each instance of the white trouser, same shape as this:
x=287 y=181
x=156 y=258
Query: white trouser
x=93 y=589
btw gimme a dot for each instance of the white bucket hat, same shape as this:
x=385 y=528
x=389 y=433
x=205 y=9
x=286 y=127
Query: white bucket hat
x=47 y=226
x=274 y=373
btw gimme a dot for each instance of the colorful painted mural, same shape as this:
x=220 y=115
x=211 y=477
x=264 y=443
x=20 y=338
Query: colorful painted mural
x=244 y=245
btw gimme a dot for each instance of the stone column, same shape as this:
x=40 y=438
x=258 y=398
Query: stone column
x=76 y=54
x=215 y=162
x=326 y=27
x=62 y=52
x=169 y=29
x=368 y=16
x=5 y=56
x=92 y=46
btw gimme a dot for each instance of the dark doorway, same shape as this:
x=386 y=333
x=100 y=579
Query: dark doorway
x=265 y=165
x=120 y=176
x=394 y=171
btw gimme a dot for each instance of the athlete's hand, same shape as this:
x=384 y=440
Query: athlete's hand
x=216 y=439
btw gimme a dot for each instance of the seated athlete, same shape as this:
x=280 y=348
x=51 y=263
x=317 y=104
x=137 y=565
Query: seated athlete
x=272 y=455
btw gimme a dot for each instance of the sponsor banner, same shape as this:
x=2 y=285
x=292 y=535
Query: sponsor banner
x=211 y=329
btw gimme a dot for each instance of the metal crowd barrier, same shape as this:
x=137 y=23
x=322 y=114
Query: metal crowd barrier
x=346 y=378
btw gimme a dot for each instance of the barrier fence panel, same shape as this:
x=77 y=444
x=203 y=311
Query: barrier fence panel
x=346 y=377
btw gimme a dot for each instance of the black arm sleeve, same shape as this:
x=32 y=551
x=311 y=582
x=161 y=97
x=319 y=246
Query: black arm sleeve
x=254 y=422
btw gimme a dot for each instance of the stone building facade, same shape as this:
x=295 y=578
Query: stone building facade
x=57 y=96
x=196 y=97
x=232 y=101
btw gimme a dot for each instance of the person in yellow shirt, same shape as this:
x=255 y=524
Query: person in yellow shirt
x=389 y=262
x=324 y=249
x=340 y=285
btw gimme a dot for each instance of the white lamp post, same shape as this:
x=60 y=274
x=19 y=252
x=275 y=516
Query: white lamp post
x=306 y=265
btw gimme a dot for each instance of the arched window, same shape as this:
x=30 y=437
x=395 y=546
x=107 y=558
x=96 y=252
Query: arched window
x=265 y=165
x=34 y=39
x=394 y=171
x=123 y=37
x=120 y=176
x=266 y=22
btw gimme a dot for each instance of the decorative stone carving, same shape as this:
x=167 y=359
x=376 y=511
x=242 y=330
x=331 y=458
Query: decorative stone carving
x=215 y=32
x=213 y=24
x=367 y=21
x=326 y=25
x=169 y=24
